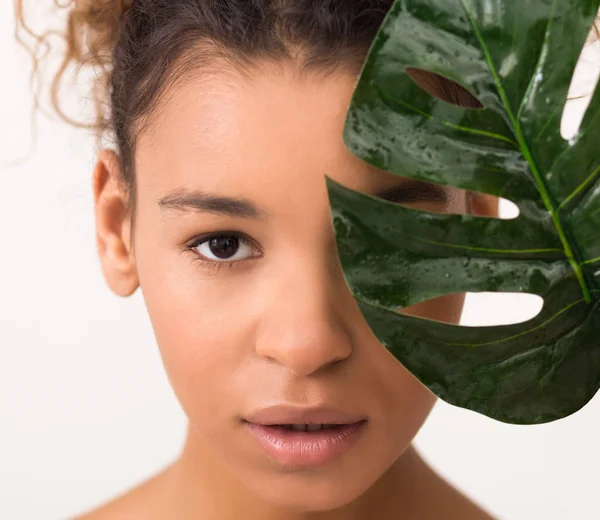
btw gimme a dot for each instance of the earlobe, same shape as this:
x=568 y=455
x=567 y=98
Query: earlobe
x=113 y=224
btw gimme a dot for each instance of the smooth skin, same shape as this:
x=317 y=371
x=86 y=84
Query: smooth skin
x=279 y=326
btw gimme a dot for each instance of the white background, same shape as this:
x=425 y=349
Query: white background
x=86 y=410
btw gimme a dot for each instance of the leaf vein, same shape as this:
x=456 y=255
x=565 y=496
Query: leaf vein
x=592 y=261
x=579 y=188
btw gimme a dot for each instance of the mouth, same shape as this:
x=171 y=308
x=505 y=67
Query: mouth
x=306 y=444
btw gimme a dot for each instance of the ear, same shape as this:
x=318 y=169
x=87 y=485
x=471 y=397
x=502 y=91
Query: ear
x=113 y=225
x=483 y=205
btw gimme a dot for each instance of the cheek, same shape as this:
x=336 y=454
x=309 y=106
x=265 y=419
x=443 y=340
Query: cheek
x=202 y=334
x=415 y=399
x=407 y=401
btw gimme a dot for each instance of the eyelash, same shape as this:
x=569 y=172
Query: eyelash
x=214 y=264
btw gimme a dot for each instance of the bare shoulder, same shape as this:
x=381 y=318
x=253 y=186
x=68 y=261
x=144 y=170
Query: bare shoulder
x=140 y=501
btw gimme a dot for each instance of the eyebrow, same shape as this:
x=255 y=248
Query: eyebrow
x=183 y=200
x=415 y=190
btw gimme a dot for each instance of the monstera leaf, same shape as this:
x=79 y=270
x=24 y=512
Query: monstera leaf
x=517 y=58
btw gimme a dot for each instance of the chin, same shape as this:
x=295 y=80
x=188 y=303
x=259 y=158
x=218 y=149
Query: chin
x=325 y=488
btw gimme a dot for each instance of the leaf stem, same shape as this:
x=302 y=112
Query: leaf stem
x=548 y=202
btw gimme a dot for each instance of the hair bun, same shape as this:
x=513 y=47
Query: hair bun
x=95 y=23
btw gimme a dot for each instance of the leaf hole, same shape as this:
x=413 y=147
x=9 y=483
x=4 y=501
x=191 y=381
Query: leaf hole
x=443 y=88
x=508 y=209
x=481 y=309
x=584 y=82
x=486 y=309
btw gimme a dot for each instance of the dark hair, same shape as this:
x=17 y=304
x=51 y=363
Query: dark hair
x=138 y=49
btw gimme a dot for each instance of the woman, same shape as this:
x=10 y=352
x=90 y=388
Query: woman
x=226 y=115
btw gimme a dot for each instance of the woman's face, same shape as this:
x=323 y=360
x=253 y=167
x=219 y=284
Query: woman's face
x=278 y=326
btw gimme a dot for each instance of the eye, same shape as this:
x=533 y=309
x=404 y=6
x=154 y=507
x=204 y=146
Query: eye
x=222 y=248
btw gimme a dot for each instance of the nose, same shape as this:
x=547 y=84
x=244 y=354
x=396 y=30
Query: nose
x=303 y=327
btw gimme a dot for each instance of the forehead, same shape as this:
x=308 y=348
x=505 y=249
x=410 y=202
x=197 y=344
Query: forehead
x=234 y=128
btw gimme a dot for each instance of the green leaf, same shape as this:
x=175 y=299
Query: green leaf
x=517 y=59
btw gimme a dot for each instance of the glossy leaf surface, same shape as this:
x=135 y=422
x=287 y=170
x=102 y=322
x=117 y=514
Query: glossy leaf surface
x=517 y=59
